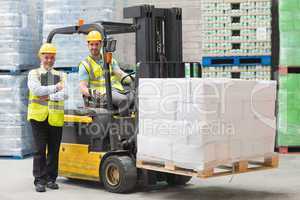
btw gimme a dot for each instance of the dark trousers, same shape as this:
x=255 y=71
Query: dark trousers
x=45 y=167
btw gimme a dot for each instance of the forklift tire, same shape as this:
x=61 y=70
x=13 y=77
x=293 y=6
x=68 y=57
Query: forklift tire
x=174 y=179
x=118 y=174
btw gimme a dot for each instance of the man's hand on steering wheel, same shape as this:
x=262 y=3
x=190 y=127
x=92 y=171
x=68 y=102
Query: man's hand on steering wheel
x=95 y=94
x=131 y=76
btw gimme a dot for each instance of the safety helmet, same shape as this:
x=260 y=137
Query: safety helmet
x=47 y=48
x=94 y=36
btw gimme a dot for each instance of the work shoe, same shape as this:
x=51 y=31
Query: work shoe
x=40 y=188
x=52 y=185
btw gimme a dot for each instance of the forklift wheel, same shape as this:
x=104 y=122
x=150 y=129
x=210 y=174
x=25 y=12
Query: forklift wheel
x=119 y=174
x=174 y=179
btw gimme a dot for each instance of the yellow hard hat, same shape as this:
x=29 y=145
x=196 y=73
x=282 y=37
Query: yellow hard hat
x=47 y=48
x=94 y=36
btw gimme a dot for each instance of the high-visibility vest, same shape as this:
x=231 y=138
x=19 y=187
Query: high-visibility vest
x=96 y=75
x=39 y=110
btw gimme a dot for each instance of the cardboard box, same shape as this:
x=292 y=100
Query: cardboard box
x=207 y=89
x=217 y=122
x=198 y=111
x=168 y=129
x=150 y=88
x=260 y=109
x=157 y=109
x=176 y=89
x=147 y=148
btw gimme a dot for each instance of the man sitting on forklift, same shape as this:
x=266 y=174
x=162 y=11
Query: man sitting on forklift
x=92 y=80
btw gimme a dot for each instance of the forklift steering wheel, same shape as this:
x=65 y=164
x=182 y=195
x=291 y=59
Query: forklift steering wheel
x=128 y=75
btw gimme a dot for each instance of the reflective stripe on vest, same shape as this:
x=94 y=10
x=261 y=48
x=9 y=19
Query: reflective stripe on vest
x=56 y=107
x=39 y=110
x=38 y=101
x=98 y=82
x=45 y=103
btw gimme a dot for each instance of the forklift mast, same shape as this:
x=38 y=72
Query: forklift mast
x=158 y=41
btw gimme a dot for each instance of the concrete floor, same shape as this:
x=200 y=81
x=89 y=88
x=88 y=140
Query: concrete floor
x=282 y=183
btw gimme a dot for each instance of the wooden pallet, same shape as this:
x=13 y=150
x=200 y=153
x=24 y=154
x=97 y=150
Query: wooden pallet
x=242 y=166
x=13 y=72
x=241 y=1
x=289 y=150
x=284 y=70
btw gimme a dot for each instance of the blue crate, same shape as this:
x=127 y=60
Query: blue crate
x=68 y=69
x=13 y=72
x=17 y=157
x=236 y=61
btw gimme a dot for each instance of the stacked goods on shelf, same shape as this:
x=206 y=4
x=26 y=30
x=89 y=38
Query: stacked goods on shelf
x=288 y=112
x=73 y=49
x=20 y=33
x=258 y=72
x=21 y=37
x=289 y=76
x=237 y=30
x=195 y=123
x=233 y=28
x=192 y=69
x=15 y=135
x=289 y=27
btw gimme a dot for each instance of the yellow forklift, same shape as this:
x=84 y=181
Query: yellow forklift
x=100 y=145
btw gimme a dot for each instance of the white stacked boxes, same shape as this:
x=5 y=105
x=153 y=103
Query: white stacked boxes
x=21 y=37
x=20 y=33
x=15 y=135
x=57 y=14
x=213 y=122
x=235 y=28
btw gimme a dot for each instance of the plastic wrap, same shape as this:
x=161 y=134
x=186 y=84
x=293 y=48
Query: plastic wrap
x=211 y=124
x=288 y=111
x=289 y=26
x=15 y=136
x=20 y=33
x=73 y=49
x=226 y=23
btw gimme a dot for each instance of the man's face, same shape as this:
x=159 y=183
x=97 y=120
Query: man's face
x=47 y=60
x=94 y=47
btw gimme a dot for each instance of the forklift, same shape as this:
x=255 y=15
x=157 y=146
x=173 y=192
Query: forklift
x=100 y=145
